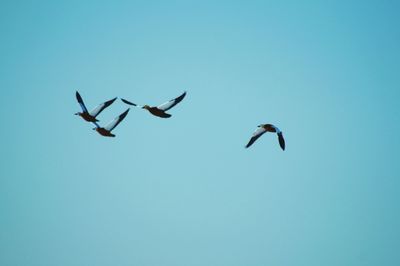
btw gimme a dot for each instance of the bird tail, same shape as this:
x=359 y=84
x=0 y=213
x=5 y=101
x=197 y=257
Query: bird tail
x=164 y=115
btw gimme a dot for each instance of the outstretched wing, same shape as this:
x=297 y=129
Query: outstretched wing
x=110 y=126
x=258 y=133
x=128 y=102
x=80 y=101
x=281 y=140
x=96 y=111
x=97 y=125
x=168 y=105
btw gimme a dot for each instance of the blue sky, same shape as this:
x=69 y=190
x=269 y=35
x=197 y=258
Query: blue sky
x=184 y=191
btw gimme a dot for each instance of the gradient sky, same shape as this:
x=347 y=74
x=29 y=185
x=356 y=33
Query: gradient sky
x=184 y=191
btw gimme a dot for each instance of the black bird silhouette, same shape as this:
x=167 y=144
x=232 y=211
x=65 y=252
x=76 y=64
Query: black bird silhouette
x=91 y=116
x=267 y=128
x=160 y=110
x=106 y=131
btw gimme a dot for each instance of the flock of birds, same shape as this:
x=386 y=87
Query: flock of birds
x=159 y=111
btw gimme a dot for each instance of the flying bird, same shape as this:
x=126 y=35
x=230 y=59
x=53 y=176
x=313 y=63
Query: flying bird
x=91 y=116
x=267 y=128
x=106 y=131
x=160 y=110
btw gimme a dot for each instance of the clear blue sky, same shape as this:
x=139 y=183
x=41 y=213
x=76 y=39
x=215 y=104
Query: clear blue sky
x=184 y=191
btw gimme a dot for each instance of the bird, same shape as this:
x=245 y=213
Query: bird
x=91 y=116
x=267 y=128
x=160 y=110
x=106 y=131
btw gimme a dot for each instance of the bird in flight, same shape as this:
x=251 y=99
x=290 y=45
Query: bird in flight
x=160 y=110
x=91 y=116
x=106 y=131
x=267 y=128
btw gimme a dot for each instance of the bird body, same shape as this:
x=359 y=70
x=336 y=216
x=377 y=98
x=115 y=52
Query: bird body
x=157 y=112
x=104 y=132
x=269 y=128
x=87 y=117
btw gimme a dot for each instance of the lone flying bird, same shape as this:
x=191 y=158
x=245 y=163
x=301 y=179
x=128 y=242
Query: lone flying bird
x=160 y=110
x=267 y=128
x=106 y=131
x=91 y=116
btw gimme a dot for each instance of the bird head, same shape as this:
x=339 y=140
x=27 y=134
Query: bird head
x=146 y=107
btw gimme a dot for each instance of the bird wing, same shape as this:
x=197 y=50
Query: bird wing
x=277 y=130
x=258 y=133
x=281 y=140
x=110 y=126
x=168 y=105
x=97 y=125
x=128 y=102
x=80 y=101
x=96 y=111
